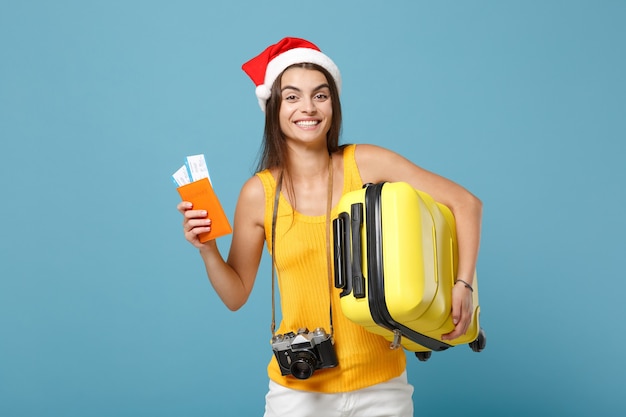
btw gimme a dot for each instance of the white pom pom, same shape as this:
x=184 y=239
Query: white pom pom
x=263 y=92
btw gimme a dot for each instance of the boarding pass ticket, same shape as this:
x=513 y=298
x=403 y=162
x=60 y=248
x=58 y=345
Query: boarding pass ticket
x=194 y=169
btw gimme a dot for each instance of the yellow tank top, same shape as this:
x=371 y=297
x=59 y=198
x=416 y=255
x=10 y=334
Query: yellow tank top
x=364 y=358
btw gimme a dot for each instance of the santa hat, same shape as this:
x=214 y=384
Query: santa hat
x=264 y=68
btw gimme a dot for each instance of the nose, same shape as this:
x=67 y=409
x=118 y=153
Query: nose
x=308 y=106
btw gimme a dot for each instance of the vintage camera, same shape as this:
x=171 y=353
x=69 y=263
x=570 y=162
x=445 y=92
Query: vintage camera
x=303 y=353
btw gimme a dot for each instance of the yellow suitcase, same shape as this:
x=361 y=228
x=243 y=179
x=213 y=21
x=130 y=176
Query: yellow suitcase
x=395 y=258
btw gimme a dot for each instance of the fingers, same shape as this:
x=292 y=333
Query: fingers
x=183 y=206
x=461 y=313
x=195 y=222
x=459 y=330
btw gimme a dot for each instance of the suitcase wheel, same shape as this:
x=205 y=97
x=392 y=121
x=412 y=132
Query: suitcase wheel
x=480 y=342
x=423 y=356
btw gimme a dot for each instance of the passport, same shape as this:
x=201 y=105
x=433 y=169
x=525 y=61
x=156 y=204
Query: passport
x=194 y=185
x=201 y=194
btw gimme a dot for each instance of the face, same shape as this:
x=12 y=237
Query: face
x=305 y=108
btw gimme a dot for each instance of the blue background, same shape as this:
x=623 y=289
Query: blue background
x=104 y=307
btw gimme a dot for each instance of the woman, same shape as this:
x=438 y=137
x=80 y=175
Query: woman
x=298 y=88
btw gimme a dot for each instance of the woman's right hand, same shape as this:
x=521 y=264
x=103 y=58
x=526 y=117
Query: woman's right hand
x=194 y=223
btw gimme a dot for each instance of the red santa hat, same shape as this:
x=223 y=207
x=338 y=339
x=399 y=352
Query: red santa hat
x=264 y=68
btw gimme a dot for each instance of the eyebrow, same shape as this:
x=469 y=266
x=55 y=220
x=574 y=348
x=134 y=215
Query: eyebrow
x=290 y=87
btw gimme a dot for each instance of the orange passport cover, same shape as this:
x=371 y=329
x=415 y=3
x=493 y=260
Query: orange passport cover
x=201 y=195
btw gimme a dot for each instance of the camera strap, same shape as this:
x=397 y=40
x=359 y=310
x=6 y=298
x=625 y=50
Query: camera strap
x=329 y=204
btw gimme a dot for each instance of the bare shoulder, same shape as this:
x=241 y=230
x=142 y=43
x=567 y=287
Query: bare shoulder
x=381 y=164
x=252 y=190
x=365 y=151
x=251 y=203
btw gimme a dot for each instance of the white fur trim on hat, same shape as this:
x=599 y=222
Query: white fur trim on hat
x=294 y=56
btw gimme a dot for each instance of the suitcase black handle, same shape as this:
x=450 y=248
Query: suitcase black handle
x=341 y=241
x=356 y=224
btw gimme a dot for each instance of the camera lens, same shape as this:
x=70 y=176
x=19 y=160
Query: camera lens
x=304 y=365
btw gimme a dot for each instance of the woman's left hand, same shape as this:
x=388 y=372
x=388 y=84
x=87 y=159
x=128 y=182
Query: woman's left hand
x=462 y=307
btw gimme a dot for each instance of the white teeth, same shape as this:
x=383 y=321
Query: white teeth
x=307 y=123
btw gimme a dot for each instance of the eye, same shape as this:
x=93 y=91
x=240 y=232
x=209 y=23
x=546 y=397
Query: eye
x=290 y=98
x=321 y=97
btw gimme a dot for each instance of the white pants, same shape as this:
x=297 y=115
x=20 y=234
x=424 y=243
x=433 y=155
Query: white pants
x=392 y=398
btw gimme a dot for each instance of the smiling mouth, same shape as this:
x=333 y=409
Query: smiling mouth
x=307 y=123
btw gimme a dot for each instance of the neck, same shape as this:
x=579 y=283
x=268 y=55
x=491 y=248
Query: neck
x=309 y=164
x=314 y=179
